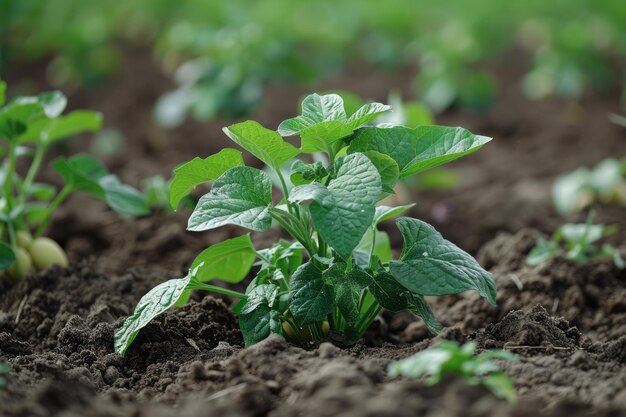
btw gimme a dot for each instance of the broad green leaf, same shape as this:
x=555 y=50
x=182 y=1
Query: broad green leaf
x=500 y=385
x=258 y=319
x=228 y=261
x=320 y=136
x=419 y=149
x=302 y=173
x=394 y=297
x=577 y=233
x=348 y=289
x=265 y=144
x=199 y=171
x=315 y=109
x=155 y=302
x=48 y=131
x=431 y=265
x=123 y=198
x=382 y=246
x=386 y=212
x=387 y=168
x=7 y=256
x=366 y=113
x=324 y=121
x=344 y=210
x=241 y=196
x=16 y=116
x=543 y=250
x=311 y=299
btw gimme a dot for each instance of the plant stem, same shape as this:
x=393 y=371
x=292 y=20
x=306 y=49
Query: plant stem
x=218 y=290
x=8 y=179
x=61 y=196
x=32 y=172
x=368 y=317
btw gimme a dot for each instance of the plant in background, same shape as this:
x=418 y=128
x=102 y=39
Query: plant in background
x=157 y=192
x=448 y=358
x=579 y=189
x=338 y=271
x=30 y=126
x=4 y=368
x=577 y=242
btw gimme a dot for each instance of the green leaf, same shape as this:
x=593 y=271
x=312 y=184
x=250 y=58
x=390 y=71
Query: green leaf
x=418 y=306
x=199 y=171
x=257 y=319
x=344 y=210
x=311 y=299
x=382 y=247
x=543 y=250
x=86 y=174
x=229 y=261
x=315 y=109
x=388 y=292
x=348 y=289
x=7 y=256
x=431 y=265
x=366 y=113
x=419 y=149
x=324 y=121
x=265 y=144
x=42 y=191
x=155 y=302
x=241 y=196
x=53 y=103
x=386 y=212
x=48 y=131
x=500 y=385
x=387 y=168
x=18 y=115
x=123 y=198
x=302 y=173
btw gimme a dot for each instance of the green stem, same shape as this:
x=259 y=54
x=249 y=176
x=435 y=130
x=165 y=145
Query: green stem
x=216 y=289
x=304 y=241
x=368 y=317
x=61 y=196
x=8 y=179
x=373 y=246
x=32 y=171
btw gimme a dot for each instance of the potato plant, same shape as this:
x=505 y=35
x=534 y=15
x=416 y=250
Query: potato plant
x=337 y=271
x=450 y=358
x=29 y=127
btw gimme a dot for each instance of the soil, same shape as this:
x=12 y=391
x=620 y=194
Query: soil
x=566 y=321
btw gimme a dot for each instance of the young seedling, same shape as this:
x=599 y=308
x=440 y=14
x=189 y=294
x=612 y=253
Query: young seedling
x=577 y=190
x=29 y=127
x=338 y=271
x=576 y=242
x=449 y=358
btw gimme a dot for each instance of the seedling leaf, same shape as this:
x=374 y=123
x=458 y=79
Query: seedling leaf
x=229 y=261
x=311 y=297
x=431 y=265
x=419 y=149
x=344 y=210
x=199 y=171
x=7 y=256
x=241 y=196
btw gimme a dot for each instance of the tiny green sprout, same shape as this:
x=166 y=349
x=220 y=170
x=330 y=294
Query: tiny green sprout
x=336 y=272
x=29 y=127
x=576 y=242
x=449 y=358
x=577 y=190
x=4 y=368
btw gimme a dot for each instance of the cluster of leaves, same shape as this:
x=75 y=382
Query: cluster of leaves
x=577 y=242
x=577 y=190
x=29 y=127
x=448 y=358
x=338 y=272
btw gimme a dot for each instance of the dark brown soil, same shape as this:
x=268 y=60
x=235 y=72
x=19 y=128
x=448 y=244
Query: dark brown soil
x=566 y=321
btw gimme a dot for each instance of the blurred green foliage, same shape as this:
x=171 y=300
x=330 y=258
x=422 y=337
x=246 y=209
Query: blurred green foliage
x=233 y=48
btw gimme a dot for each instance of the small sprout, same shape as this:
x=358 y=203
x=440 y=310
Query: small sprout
x=338 y=272
x=450 y=358
x=577 y=190
x=29 y=127
x=577 y=242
